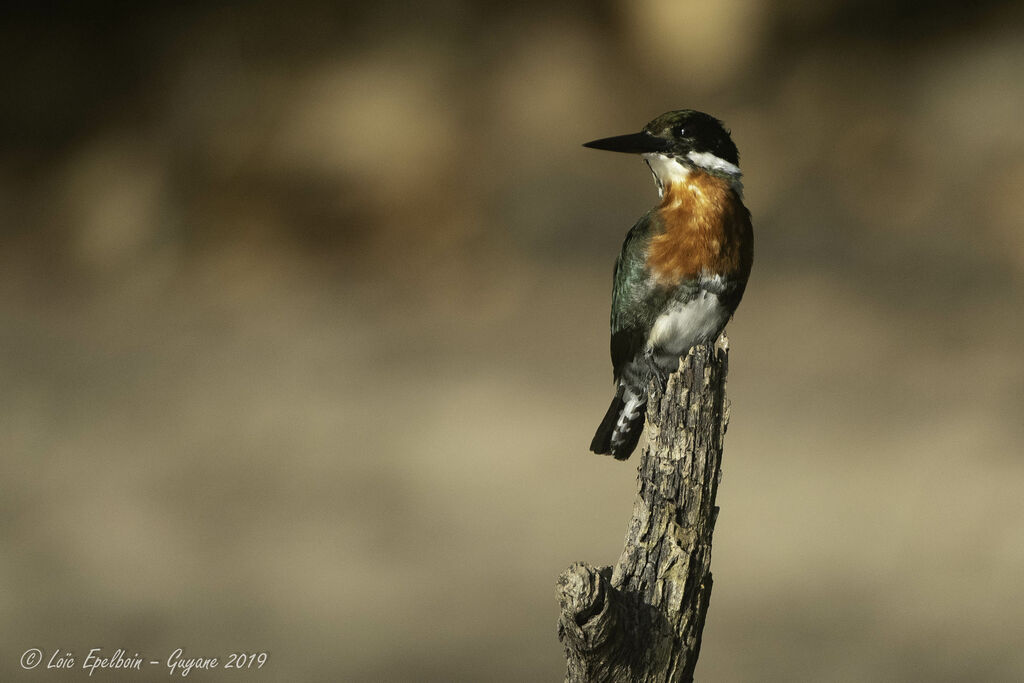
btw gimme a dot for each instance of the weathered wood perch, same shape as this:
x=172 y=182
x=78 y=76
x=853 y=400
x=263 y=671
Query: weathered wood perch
x=643 y=621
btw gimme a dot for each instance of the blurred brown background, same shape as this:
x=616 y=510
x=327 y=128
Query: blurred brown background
x=303 y=331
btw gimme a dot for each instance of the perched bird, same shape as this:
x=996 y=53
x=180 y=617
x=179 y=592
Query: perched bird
x=683 y=266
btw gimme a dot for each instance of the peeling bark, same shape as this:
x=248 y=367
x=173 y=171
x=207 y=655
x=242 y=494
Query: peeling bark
x=643 y=621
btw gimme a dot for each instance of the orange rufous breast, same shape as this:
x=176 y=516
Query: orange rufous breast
x=706 y=229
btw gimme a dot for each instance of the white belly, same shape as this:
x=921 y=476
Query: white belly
x=685 y=325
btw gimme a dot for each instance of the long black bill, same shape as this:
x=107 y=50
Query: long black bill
x=634 y=143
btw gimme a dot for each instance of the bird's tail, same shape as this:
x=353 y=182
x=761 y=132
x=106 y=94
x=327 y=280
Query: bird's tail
x=622 y=425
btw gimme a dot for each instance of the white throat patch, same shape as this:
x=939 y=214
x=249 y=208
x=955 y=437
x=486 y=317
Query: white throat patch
x=666 y=170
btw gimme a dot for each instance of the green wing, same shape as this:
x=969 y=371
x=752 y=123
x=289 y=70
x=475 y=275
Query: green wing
x=634 y=299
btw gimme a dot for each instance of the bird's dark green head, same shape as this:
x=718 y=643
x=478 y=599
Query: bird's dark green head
x=692 y=137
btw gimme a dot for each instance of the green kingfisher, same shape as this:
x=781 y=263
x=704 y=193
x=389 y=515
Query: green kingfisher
x=683 y=266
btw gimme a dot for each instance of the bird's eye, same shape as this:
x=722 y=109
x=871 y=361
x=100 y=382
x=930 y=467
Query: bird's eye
x=678 y=131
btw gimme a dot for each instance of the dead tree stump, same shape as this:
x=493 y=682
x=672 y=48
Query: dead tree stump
x=643 y=621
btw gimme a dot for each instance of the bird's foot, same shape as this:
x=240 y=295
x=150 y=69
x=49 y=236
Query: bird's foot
x=659 y=367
